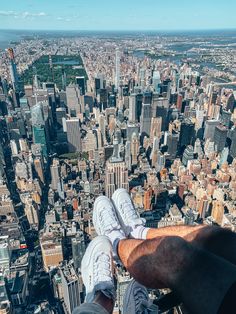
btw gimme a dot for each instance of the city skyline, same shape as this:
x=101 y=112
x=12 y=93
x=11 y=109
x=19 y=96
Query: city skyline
x=86 y=15
x=117 y=126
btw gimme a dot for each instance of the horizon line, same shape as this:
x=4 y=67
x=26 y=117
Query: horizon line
x=121 y=30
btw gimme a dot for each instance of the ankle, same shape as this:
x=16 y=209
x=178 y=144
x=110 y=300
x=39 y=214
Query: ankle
x=104 y=301
x=139 y=232
x=115 y=235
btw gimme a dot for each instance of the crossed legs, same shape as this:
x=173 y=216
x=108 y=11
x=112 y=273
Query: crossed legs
x=199 y=266
x=197 y=263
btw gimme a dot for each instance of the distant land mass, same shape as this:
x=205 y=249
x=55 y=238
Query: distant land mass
x=12 y=36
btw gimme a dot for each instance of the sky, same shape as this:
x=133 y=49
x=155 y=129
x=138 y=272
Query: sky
x=117 y=15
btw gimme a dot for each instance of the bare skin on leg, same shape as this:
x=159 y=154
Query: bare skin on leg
x=199 y=278
x=219 y=241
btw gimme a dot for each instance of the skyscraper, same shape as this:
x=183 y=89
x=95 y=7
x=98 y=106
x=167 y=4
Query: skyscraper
x=139 y=105
x=210 y=126
x=78 y=249
x=81 y=82
x=134 y=149
x=155 y=128
x=4 y=253
x=230 y=103
x=188 y=155
x=99 y=82
x=224 y=156
x=72 y=99
x=31 y=211
x=220 y=136
x=117 y=72
x=73 y=135
x=39 y=168
x=123 y=280
x=37 y=113
x=225 y=118
x=55 y=174
x=116 y=172
x=128 y=154
x=131 y=128
x=52 y=252
x=102 y=127
x=147 y=97
x=13 y=69
x=70 y=287
x=103 y=97
x=198 y=148
x=39 y=137
x=145 y=121
x=186 y=133
x=156 y=80
x=172 y=143
x=162 y=111
x=116 y=177
x=179 y=102
x=233 y=143
x=132 y=108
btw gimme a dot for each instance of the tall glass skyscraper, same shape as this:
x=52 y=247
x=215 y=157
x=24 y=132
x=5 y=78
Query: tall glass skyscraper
x=39 y=137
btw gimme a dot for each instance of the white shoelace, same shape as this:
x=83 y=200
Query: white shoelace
x=130 y=213
x=108 y=220
x=102 y=269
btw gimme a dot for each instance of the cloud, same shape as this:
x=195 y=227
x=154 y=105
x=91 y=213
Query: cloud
x=28 y=14
x=63 y=18
x=7 y=13
x=23 y=15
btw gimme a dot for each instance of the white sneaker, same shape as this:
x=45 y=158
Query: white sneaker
x=106 y=222
x=136 y=300
x=97 y=269
x=104 y=216
x=126 y=212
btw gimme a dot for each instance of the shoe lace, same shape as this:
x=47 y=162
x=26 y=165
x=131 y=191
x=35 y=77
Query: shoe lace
x=129 y=211
x=102 y=268
x=109 y=219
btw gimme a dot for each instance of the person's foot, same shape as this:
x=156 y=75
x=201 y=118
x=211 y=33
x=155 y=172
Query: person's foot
x=106 y=223
x=136 y=299
x=97 y=269
x=129 y=219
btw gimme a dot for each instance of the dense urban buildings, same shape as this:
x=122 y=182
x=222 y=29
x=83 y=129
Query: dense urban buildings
x=131 y=111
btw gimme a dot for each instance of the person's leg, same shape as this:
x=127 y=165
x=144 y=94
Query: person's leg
x=136 y=300
x=175 y=231
x=106 y=223
x=91 y=308
x=166 y=261
x=219 y=241
x=97 y=275
x=104 y=301
x=199 y=278
x=134 y=226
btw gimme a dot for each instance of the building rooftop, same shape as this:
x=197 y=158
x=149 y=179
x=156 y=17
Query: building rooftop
x=69 y=273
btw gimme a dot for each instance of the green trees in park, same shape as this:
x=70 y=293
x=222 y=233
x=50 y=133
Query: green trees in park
x=72 y=66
